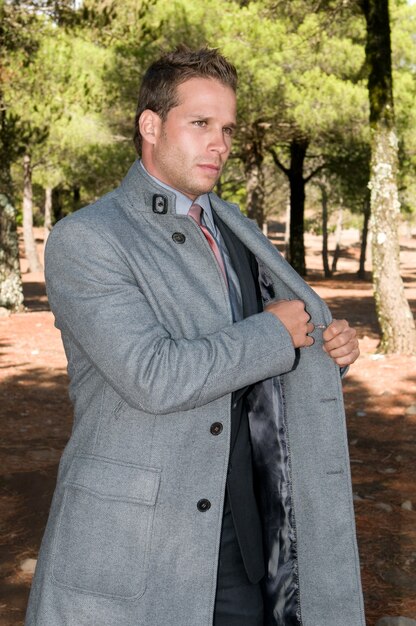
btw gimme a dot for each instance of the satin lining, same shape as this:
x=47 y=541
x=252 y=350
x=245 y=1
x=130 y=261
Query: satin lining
x=271 y=459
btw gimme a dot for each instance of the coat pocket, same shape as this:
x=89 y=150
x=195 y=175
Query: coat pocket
x=103 y=533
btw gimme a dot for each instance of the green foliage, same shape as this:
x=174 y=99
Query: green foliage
x=404 y=86
x=19 y=40
x=63 y=89
x=69 y=80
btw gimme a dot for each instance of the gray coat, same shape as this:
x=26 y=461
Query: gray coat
x=153 y=357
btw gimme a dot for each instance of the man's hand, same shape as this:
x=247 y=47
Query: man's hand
x=341 y=343
x=293 y=316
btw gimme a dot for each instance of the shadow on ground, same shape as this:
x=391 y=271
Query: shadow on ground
x=35 y=298
x=382 y=440
x=36 y=422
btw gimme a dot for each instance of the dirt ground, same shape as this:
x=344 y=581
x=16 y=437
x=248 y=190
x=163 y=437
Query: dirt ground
x=381 y=413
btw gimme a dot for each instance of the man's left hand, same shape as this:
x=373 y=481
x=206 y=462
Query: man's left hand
x=341 y=343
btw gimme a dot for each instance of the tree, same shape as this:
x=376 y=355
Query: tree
x=347 y=170
x=252 y=156
x=323 y=103
x=63 y=100
x=403 y=21
x=11 y=293
x=18 y=44
x=394 y=314
x=322 y=185
x=32 y=257
x=16 y=38
x=297 y=180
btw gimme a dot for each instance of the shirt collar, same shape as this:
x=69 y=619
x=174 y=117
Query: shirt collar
x=183 y=203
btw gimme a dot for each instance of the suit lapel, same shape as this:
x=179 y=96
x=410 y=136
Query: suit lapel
x=245 y=266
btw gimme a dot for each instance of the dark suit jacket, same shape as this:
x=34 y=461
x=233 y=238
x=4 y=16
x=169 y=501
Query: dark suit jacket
x=240 y=486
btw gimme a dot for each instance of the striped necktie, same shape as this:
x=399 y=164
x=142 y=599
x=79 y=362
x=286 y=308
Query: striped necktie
x=195 y=212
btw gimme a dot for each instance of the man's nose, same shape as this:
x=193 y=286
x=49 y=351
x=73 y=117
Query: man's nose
x=219 y=142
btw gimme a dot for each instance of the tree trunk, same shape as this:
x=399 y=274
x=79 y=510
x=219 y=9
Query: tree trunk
x=57 y=204
x=395 y=318
x=324 y=200
x=76 y=197
x=287 y=229
x=28 y=236
x=393 y=311
x=11 y=292
x=6 y=186
x=48 y=214
x=338 y=236
x=298 y=149
x=364 y=238
x=254 y=182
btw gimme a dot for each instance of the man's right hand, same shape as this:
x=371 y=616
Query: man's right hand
x=294 y=317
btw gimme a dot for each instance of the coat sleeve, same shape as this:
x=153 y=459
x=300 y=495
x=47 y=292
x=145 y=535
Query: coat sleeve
x=98 y=304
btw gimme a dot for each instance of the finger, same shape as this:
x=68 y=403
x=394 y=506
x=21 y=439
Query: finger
x=348 y=359
x=335 y=328
x=345 y=337
x=343 y=350
x=310 y=328
x=309 y=341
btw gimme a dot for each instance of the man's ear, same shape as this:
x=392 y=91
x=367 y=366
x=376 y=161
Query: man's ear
x=149 y=126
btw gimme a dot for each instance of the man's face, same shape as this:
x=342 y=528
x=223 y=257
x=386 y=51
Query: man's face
x=189 y=149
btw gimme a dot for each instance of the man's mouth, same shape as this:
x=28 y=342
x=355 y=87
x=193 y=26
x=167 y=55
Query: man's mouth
x=211 y=167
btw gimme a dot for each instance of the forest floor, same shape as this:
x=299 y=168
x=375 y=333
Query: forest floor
x=380 y=397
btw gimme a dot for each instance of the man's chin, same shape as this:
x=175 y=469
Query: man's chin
x=200 y=185
x=194 y=193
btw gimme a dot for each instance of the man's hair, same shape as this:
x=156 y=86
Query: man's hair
x=158 y=90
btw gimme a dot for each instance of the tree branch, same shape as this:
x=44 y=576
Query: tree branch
x=314 y=172
x=277 y=162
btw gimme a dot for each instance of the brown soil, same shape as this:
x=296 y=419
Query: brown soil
x=381 y=411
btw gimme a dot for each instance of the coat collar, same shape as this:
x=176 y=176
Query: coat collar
x=144 y=195
x=140 y=189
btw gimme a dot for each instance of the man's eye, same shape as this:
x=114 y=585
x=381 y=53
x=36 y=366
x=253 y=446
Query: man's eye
x=229 y=131
x=200 y=123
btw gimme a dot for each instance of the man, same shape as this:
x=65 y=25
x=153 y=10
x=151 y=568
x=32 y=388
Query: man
x=206 y=480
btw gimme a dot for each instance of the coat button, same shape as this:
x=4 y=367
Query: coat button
x=203 y=505
x=216 y=428
x=178 y=237
x=160 y=204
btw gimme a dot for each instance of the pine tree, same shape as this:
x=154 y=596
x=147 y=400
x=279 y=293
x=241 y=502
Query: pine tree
x=394 y=314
